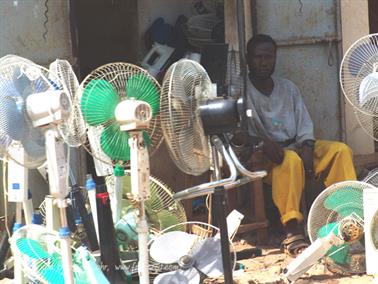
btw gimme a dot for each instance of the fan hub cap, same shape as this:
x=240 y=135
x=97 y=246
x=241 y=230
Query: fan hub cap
x=186 y=262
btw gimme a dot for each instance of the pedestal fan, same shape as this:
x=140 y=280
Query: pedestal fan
x=190 y=115
x=42 y=107
x=121 y=102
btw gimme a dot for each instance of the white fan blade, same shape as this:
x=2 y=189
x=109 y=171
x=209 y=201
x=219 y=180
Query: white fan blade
x=310 y=256
x=180 y=276
x=208 y=257
x=169 y=247
x=368 y=88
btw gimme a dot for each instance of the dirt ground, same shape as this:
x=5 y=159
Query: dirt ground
x=267 y=269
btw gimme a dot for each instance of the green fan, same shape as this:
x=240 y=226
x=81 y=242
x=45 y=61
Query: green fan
x=336 y=230
x=39 y=252
x=103 y=90
x=162 y=211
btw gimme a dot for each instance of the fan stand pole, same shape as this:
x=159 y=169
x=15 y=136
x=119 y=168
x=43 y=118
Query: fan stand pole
x=58 y=182
x=140 y=189
x=220 y=213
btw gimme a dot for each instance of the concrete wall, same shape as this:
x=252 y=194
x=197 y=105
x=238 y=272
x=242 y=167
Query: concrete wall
x=355 y=24
x=22 y=29
x=21 y=33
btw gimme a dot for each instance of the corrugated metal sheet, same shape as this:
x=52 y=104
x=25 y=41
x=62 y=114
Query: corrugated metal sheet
x=304 y=30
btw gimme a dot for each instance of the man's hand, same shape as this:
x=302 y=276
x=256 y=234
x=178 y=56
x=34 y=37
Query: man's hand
x=273 y=151
x=307 y=155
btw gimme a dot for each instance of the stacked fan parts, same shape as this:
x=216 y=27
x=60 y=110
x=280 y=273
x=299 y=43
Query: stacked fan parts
x=195 y=254
x=161 y=211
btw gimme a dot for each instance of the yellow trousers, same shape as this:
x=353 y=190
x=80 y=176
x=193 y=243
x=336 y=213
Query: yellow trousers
x=332 y=159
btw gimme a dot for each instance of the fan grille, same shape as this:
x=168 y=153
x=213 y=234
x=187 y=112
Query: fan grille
x=340 y=202
x=73 y=129
x=115 y=78
x=18 y=80
x=358 y=77
x=181 y=124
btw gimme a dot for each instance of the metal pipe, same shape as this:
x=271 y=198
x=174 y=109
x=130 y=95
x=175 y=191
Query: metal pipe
x=244 y=171
x=207 y=188
x=308 y=40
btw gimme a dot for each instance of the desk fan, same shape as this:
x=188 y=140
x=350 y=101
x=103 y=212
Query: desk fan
x=336 y=230
x=359 y=81
x=40 y=253
x=190 y=114
x=42 y=105
x=121 y=102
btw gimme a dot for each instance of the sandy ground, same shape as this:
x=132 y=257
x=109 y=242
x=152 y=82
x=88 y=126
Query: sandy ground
x=267 y=269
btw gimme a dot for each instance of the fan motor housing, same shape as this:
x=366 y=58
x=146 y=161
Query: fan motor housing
x=133 y=114
x=48 y=107
x=219 y=115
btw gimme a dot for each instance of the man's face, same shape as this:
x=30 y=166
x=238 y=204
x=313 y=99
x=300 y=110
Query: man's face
x=262 y=59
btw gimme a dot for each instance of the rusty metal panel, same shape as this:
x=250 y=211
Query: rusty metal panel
x=307 y=39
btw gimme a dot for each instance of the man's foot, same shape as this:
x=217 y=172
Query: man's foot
x=293 y=245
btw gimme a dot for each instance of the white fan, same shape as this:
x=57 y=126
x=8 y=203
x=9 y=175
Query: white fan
x=192 y=251
x=359 y=81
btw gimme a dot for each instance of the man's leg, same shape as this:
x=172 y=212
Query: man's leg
x=287 y=187
x=336 y=159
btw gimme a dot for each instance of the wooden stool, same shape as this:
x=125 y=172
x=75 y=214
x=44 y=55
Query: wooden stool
x=257 y=205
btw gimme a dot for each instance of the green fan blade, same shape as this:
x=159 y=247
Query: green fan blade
x=115 y=143
x=345 y=202
x=142 y=88
x=31 y=248
x=98 y=102
x=167 y=219
x=339 y=254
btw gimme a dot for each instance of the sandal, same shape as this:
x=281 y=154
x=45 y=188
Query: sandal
x=294 y=245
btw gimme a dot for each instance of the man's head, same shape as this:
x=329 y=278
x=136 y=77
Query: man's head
x=261 y=56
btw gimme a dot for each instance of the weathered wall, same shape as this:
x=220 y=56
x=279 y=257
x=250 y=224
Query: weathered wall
x=355 y=24
x=306 y=34
x=22 y=29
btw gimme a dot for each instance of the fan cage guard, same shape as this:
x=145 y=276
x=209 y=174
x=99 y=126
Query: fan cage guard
x=182 y=127
x=16 y=128
x=49 y=240
x=201 y=229
x=359 y=61
x=74 y=128
x=319 y=216
x=162 y=201
x=117 y=74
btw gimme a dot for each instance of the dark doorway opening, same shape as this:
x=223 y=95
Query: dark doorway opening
x=106 y=31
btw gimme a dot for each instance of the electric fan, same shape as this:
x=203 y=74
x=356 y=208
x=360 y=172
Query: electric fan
x=192 y=118
x=200 y=28
x=121 y=101
x=336 y=229
x=359 y=81
x=191 y=250
x=45 y=105
x=40 y=253
x=162 y=211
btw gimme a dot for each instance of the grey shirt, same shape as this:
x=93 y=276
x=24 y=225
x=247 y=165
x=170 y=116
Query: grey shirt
x=281 y=116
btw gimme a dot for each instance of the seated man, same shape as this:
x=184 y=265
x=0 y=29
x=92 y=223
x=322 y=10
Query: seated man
x=283 y=123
